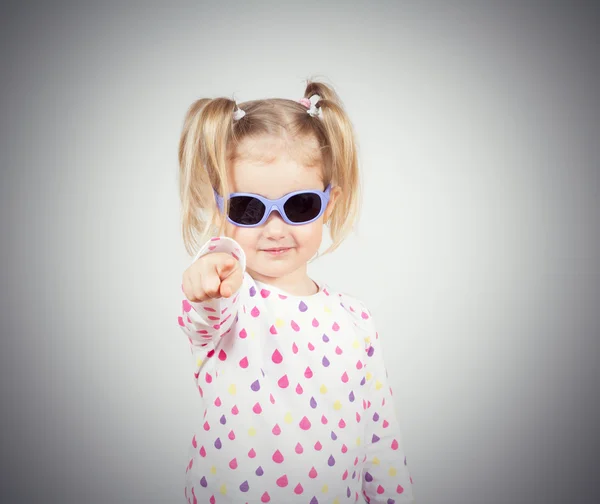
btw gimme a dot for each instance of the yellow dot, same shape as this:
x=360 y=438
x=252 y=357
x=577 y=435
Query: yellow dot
x=251 y=432
x=251 y=335
x=358 y=441
x=213 y=470
x=375 y=461
x=355 y=344
x=324 y=489
x=336 y=501
x=199 y=362
x=337 y=405
x=378 y=384
x=223 y=489
x=392 y=471
x=368 y=339
x=288 y=418
x=323 y=389
x=232 y=389
x=327 y=309
x=279 y=322
x=369 y=376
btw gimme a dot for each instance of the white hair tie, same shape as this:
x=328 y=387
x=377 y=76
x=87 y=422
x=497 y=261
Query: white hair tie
x=238 y=113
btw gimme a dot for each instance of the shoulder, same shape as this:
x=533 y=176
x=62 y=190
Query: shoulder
x=356 y=308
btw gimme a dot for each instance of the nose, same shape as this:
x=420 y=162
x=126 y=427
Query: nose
x=275 y=225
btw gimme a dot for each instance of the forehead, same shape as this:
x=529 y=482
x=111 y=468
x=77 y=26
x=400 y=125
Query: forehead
x=272 y=167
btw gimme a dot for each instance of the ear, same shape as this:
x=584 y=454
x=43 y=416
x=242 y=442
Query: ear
x=334 y=194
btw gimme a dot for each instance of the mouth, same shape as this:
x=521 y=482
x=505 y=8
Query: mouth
x=277 y=251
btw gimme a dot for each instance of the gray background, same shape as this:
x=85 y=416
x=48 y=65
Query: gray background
x=477 y=251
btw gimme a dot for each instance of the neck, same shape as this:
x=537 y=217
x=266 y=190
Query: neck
x=297 y=283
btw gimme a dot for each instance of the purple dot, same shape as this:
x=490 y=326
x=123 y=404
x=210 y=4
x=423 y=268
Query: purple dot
x=351 y=396
x=325 y=361
x=331 y=461
x=333 y=435
x=363 y=381
x=244 y=487
x=325 y=338
x=223 y=420
x=375 y=438
x=391 y=501
x=353 y=474
x=259 y=471
x=375 y=416
x=252 y=291
x=314 y=501
x=263 y=373
x=348 y=492
x=203 y=482
x=313 y=403
x=368 y=477
x=218 y=444
x=371 y=351
x=255 y=386
x=302 y=306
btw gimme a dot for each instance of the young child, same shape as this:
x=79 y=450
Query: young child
x=290 y=372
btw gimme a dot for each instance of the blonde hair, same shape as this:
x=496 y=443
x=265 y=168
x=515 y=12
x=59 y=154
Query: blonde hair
x=209 y=142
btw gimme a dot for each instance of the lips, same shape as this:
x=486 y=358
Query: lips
x=276 y=249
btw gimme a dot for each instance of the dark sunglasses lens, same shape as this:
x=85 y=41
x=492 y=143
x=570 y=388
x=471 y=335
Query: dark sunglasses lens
x=302 y=207
x=246 y=210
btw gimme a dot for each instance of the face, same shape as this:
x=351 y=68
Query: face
x=270 y=168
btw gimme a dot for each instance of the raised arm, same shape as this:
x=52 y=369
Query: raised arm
x=211 y=291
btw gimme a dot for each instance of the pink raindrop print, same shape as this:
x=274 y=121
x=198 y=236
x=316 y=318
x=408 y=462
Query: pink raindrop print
x=282 y=481
x=265 y=293
x=277 y=457
x=283 y=381
x=244 y=363
x=308 y=372
x=255 y=312
x=295 y=326
x=277 y=357
x=251 y=453
x=305 y=423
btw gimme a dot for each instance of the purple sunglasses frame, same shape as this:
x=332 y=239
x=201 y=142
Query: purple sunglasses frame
x=277 y=204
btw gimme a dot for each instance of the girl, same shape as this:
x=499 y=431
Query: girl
x=290 y=372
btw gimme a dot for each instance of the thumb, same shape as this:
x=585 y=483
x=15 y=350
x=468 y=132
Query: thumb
x=226 y=268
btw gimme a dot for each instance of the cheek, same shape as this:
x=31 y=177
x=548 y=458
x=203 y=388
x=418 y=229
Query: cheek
x=246 y=237
x=309 y=235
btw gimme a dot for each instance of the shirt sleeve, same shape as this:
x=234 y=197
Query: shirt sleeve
x=386 y=477
x=206 y=322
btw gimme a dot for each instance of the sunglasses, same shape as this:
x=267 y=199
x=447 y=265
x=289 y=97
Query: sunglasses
x=298 y=207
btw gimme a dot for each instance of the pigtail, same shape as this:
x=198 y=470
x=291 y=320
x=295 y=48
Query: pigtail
x=205 y=136
x=342 y=154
